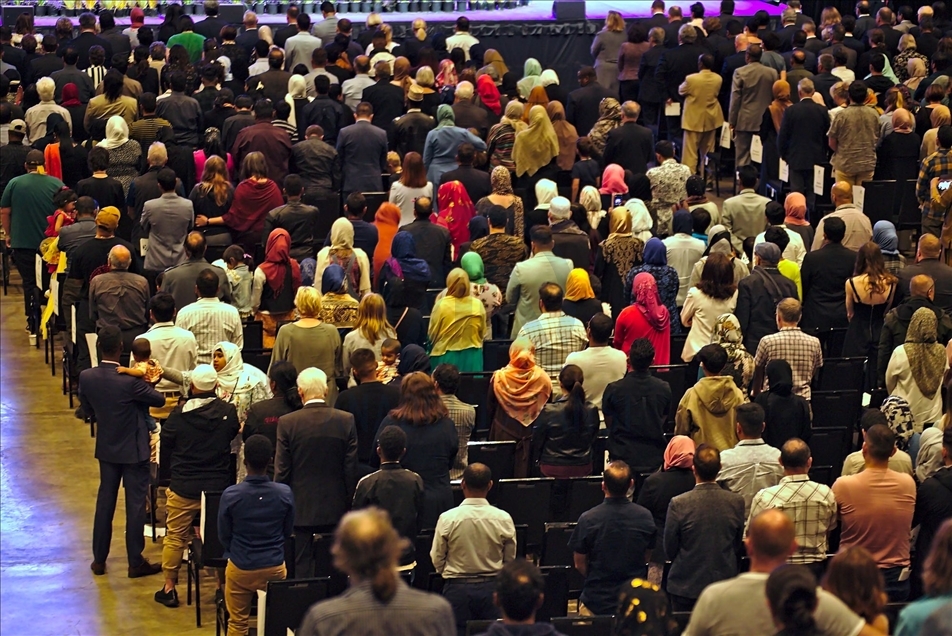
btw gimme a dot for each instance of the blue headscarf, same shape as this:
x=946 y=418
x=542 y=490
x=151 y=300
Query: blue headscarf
x=655 y=252
x=884 y=235
x=413 y=358
x=404 y=261
x=682 y=222
x=332 y=281
x=478 y=227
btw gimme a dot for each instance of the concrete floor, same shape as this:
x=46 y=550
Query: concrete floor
x=48 y=484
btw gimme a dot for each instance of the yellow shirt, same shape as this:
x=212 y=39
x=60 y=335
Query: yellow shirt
x=790 y=270
x=457 y=324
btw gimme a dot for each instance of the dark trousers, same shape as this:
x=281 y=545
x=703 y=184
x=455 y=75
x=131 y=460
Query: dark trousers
x=471 y=602
x=84 y=325
x=305 y=565
x=802 y=181
x=135 y=481
x=681 y=603
x=25 y=262
x=898 y=591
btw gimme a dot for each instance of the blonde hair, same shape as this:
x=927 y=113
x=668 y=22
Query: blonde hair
x=425 y=77
x=457 y=283
x=419 y=29
x=614 y=22
x=308 y=302
x=374 y=19
x=372 y=319
x=393 y=159
x=387 y=30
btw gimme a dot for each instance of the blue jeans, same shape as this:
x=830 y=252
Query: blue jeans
x=898 y=591
x=471 y=602
x=912 y=448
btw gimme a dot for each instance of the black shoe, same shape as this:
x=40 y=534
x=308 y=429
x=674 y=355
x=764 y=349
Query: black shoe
x=98 y=568
x=80 y=413
x=146 y=569
x=169 y=599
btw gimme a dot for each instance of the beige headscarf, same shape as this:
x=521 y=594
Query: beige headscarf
x=535 y=146
x=565 y=132
x=926 y=356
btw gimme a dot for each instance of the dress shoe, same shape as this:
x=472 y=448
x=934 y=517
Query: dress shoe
x=146 y=569
x=169 y=599
x=98 y=568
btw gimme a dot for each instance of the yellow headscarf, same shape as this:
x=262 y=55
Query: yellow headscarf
x=537 y=145
x=578 y=286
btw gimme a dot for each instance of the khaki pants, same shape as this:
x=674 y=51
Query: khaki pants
x=695 y=149
x=180 y=512
x=855 y=178
x=241 y=586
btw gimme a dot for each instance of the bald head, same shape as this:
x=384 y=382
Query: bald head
x=841 y=192
x=795 y=457
x=119 y=258
x=922 y=286
x=770 y=539
x=929 y=247
x=741 y=42
x=195 y=244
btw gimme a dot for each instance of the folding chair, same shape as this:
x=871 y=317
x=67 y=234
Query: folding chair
x=584 y=494
x=253 y=335
x=257 y=357
x=498 y=456
x=840 y=374
x=584 y=626
x=474 y=389
x=829 y=447
x=556 y=601
x=880 y=201
x=324 y=564
x=424 y=566
x=528 y=501
x=833 y=409
x=374 y=199
x=676 y=375
x=329 y=210
x=495 y=354
x=287 y=602
x=204 y=551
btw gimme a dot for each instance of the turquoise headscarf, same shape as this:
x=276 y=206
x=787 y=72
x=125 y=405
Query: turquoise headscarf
x=472 y=264
x=445 y=116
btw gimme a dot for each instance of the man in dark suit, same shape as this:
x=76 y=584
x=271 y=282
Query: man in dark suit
x=864 y=21
x=46 y=64
x=813 y=43
x=316 y=456
x=785 y=33
x=476 y=182
x=362 y=148
x=731 y=64
x=809 y=58
x=836 y=44
x=822 y=275
x=117 y=403
x=673 y=27
x=884 y=22
x=657 y=18
x=651 y=93
x=86 y=39
x=675 y=65
x=807 y=122
x=631 y=145
x=582 y=110
x=801 y=18
x=13 y=55
x=409 y=131
x=111 y=33
x=290 y=29
x=467 y=114
x=824 y=80
x=248 y=36
x=928 y=263
x=849 y=37
x=211 y=25
x=759 y=293
x=716 y=42
x=432 y=241
x=385 y=98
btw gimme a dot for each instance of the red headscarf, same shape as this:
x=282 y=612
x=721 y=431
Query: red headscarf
x=70 y=95
x=644 y=290
x=456 y=209
x=488 y=93
x=277 y=259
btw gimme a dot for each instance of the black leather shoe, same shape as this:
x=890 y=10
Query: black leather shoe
x=169 y=599
x=146 y=569
x=98 y=568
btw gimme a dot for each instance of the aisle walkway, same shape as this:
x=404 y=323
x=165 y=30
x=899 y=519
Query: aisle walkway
x=48 y=484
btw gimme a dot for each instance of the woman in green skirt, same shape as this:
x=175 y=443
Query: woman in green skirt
x=457 y=324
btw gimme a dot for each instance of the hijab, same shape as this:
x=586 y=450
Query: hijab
x=404 y=261
x=780 y=377
x=927 y=358
x=456 y=210
x=277 y=260
x=445 y=116
x=501 y=180
x=682 y=223
x=522 y=387
x=609 y=118
x=902 y=121
x=342 y=238
x=488 y=94
x=781 y=100
x=492 y=57
x=640 y=219
x=795 y=205
x=642 y=610
x=387 y=222
x=613 y=180
x=472 y=264
x=117 y=133
x=401 y=74
x=566 y=134
x=413 y=358
x=727 y=333
x=509 y=86
x=530 y=77
x=619 y=222
x=717 y=235
x=655 y=252
x=592 y=202
x=234 y=377
x=513 y=116
x=536 y=146
x=621 y=249
x=578 y=286
x=447 y=74
x=478 y=227
x=941 y=116
x=885 y=236
x=545 y=191
x=549 y=77
x=645 y=295
x=297 y=90
x=538 y=97
x=679 y=453
x=70 y=96
x=900 y=419
x=333 y=279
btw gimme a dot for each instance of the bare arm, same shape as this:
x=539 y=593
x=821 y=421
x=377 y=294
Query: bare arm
x=581 y=563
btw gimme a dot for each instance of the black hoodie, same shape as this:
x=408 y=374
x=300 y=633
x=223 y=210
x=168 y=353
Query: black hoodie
x=933 y=505
x=897 y=322
x=199 y=443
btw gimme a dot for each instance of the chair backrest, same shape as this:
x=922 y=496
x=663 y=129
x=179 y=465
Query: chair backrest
x=879 y=201
x=584 y=494
x=840 y=374
x=831 y=341
x=829 y=446
x=212 y=549
x=474 y=389
x=495 y=354
x=824 y=474
x=910 y=214
x=677 y=377
x=499 y=456
x=424 y=566
x=288 y=601
x=555 y=550
x=836 y=408
x=258 y=358
x=324 y=564
x=374 y=199
x=556 y=601
x=329 y=210
x=527 y=500
x=587 y=626
x=253 y=334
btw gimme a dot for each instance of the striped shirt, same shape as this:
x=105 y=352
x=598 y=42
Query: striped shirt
x=464 y=417
x=211 y=321
x=96 y=73
x=146 y=130
x=286 y=127
x=811 y=507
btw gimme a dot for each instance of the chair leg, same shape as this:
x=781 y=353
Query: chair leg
x=188 y=569
x=153 y=493
x=198 y=602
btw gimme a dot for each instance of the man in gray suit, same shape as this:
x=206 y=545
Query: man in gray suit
x=530 y=275
x=702 y=533
x=362 y=148
x=751 y=93
x=180 y=280
x=167 y=221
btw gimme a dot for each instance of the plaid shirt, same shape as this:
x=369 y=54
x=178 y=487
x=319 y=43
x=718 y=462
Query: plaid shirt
x=810 y=505
x=799 y=349
x=554 y=335
x=935 y=165
x=464 y=417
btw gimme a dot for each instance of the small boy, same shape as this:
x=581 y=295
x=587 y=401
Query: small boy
x=239 y=276
x=389 y=359
x=146 y=368
x=585 y=172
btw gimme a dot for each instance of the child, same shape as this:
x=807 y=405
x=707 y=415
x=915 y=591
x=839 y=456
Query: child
x=389 y=359
x=65 y=213
x=237 y=267
x=394 y=166
x=147 y=369
x=586 y=171
x=97 y=64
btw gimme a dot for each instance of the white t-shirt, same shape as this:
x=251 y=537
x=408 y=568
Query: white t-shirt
x=600 y=367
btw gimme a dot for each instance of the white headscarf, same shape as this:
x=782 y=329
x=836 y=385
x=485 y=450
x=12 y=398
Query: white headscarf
x=297 y=89
x=640 y=219
x=117 y=133
x=545 y=190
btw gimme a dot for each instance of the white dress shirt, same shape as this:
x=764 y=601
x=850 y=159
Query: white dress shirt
x=173 y=347
x=211 y=321
x=795 y=251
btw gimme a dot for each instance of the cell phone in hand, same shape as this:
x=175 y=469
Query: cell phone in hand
x=944 y=184
x=617 y=200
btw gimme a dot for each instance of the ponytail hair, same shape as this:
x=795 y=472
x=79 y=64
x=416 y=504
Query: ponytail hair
x=367 y=548
x=284 y=376
x=791 y=593
x=571 y=379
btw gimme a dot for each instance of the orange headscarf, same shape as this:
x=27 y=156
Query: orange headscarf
x=781 y=99
x=387 y=222
x=52 y=162
x=522 y=387
x=538 y=97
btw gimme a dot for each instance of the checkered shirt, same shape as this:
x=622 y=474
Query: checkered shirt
x=802 y=351
x=811 y=507
x=937 y=164
x=555 y=335
x=464 y=417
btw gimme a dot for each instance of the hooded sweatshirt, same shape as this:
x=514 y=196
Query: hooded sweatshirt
x=933 y=504
x=706 y=412
x=199 y=443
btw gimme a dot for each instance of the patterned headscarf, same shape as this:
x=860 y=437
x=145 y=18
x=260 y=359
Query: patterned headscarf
x=522 y=387
x=927 y=358
x=645 y=296
x=609 y=118
x=727 y=333
x=501 y=180
x=900 y=419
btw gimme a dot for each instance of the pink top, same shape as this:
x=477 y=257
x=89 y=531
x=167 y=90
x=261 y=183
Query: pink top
x=632 y=324
x=200 y=165
x=876 y=508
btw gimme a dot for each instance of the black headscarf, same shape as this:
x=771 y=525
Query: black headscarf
x=639 y=187
x=780 y=377
x=413 y=358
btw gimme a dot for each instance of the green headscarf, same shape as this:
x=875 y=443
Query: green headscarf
x=530 y=77
x=445 y=116
x=472 y=264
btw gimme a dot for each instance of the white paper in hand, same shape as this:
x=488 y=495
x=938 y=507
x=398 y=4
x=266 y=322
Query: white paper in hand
x=143 y=246
x=756 y=149
x=38 y=271
x=784 y=171
x=819 y=174
x=673 y=109
x=725 y=135
x=72 y=322
x=54 y=294
x=859 y=196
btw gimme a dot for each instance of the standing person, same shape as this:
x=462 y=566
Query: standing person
x=122 y=449
x=853 y=137
x=600 y=363
x=790 y=343
x=605 y=48
x=265 y=138
x=554 y=334
x=703 y=116
x=759 y=293
x=807 y=122
x=630 y=145
x=629 y=62
x=528 y=277
x=744 y=212
x=666 y=278
x=457 y=325
x=822 y=276
x=935 y=165
x=275 y=283
x=917 y=368
x=316 y=456
x=172 y=346
x=446 y=378
x=197 y=437
x=740 y=363
x=751 y=93
x=24 y=206
x=610 y=543
x=715 y=295
x=584 y=105
x=869 y=294
x=363 y=153
x=706 y=411
x=786 y=415
x=262 y=418
x=668 y=186
x=752 y=464
x=211 y=320
x=564 y=431
x=647 y=317
x=702 y=533
x=471 y=544
x=167 y=220
x=615 y=256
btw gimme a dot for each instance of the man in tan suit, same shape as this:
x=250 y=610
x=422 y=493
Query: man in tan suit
x=702 y=116
x=751 y=93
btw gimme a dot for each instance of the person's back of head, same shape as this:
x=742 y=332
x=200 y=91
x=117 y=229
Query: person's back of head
x=754 y=53
x=795 y=456
x=776 y=236
x=858 y=92
x=86 y=207
x=600 y=329
x=921 y=286
x=147 y=103
x=477 y=480
x=550 y=295
x=264 y=109
x=166 y=178
x=367 y=548
x=750 y=420
x=541 y=237
x=748 y=176
x=834 y=229
x=789 y=311
x=641 y=355
x=207 y=283
x=244 y=102
x=707 y=463
x=392 y=443
x=771 y=537
x=422 y=208
x=713 y=358
x=466 y=154
x=792 y=597
x=275 y=59
x=258 y=454
x=162 y=307
x=617 y=479
x=462 y=24
x=282 y=110
x=664 y=149
x=110 y=342
x=498 y=217
x=519 y=591
x=446 y=377
x=929 y=247
x=364 y=364
x=364 y=110
x=944 y=136
x=879 y=443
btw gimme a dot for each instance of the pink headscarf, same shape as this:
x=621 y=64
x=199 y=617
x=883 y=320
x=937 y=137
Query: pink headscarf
x=795 y=206
x=648 y=300
x=613 y=180
x=679 y=453
x=447 y=74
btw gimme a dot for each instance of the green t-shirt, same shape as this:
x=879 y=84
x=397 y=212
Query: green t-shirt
x=193 y=43
x=30 y=199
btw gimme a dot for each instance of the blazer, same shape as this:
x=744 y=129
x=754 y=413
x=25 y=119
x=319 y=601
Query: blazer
x=751 y=93
x=582 y=109
x=824 y=296
x=387 y=101
x=743 y=215
x=851 y=58
x=786 y=37
x=468 y=115
x=168 y=220
x=809 y=62
x=317 y=457
x=476 y=182
x=631 y=146
x=731 y=64
x=85 y=41
x=362 y=149
x=675 y=65
x=702 y=112
x=702 y=537
x=823 y=82
x=526 y=279
x=807 y=122
x=117 y=401
x=757 y=298
x=652 y=89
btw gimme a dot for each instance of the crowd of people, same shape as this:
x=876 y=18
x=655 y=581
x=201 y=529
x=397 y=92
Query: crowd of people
x=175 y=183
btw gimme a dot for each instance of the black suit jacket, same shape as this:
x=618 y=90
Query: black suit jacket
x=786 y=37
x=83 y=42
x=281 y=35
x=809 y=61
x=676 y=64
x=852 y=43
x=43 y=66
x=387 y=101
x=631 y=146
x=720 y=46
x=731 y=64
x=469 y=115
x=211 y=27
x=822 y=83
x=582 y=111
x=317 y=457
x=863 y=24
x=246 y=39
x=892 y=39
x=657 y=20
x=117 y=402
x=671 y=33
x=851 y=58
x=476 y=182
x=16 y=57
x=409 y=132
x=806 y=122
x=824 y=295
x=814 y=45
x=652 y=90
x=757 y=298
